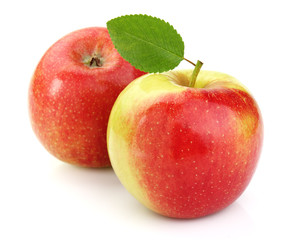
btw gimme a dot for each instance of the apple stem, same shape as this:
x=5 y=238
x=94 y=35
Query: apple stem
x=195 y=73
x=96 y=61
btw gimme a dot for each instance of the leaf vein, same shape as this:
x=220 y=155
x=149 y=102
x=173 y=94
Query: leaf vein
x=150 y=43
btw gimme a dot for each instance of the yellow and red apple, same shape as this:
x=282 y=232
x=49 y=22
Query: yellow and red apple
x=72 y=92
x=185 y=152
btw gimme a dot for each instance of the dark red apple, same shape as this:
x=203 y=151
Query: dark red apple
x=72 y=92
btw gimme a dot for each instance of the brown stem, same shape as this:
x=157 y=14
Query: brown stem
x=189 y=61
x=95 y=60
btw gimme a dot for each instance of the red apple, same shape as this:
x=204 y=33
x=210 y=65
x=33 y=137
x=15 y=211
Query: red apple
x=72 y=92
x=185 y=152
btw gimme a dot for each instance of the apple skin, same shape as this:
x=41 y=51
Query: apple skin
x=185 y=152
x=70 y=101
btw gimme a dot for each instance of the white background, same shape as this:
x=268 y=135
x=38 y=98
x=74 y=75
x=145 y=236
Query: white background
x=255 y=41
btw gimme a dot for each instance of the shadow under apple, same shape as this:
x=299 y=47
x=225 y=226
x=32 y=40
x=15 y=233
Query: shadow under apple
x=100 y=190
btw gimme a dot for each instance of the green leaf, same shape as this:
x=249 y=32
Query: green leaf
x=148 y=43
